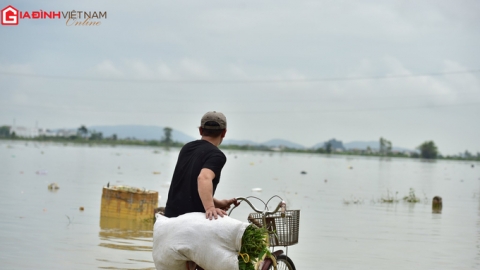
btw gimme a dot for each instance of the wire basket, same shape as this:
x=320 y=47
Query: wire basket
x=283 y=231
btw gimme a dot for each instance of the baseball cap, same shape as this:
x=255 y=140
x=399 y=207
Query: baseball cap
x=216 y=117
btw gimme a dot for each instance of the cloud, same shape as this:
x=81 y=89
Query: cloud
x=106 y=68
x=17 y=68
x=193 y=68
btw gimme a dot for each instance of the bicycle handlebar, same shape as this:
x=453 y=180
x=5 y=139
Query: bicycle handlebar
x=282 y=206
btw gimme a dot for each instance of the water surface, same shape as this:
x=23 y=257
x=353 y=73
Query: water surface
x=41 y=229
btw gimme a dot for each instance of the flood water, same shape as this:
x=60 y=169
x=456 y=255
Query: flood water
x=343 y=225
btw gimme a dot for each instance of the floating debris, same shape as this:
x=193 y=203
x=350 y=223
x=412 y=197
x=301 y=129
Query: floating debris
x=81 y=208
x=303 y=172
x=353 y=200
x=156 y=172
x=256 y=189
x=53 y=186
x=41 y=172
x=325 y=181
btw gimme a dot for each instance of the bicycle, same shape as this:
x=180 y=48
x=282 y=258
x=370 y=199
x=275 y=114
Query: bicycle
x=283 y=228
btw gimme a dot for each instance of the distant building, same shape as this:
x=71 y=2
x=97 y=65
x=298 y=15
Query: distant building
x=24 y=132
x=46 y=132
x=27 y=132
x=66 y=133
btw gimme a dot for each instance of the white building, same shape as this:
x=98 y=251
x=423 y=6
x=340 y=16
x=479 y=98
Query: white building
x=27 y=132
x=24 y=132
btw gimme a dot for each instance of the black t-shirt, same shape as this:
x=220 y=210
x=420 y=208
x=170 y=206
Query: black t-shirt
x=183 y=195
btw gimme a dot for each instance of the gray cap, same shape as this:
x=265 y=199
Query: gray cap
x=216 y=117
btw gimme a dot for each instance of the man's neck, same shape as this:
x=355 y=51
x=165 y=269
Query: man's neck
x=215 y=141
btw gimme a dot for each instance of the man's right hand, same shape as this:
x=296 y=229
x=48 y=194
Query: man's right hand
x=213 y=212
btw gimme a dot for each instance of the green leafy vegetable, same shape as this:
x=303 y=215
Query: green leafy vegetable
x=254 y=247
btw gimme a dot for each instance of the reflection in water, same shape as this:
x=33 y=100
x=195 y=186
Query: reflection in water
x=126 y=235
x=478 y=235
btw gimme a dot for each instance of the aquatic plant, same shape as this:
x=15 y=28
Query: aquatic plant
x=411 y=198
x=353 y=200
x=389 y=198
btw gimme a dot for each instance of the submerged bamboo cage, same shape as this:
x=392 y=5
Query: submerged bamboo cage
x=128 y=202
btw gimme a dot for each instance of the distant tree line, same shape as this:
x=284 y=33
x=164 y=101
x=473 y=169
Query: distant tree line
x=427 y=150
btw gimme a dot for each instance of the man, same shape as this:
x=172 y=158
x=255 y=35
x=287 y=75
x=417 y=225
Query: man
x=198 y=170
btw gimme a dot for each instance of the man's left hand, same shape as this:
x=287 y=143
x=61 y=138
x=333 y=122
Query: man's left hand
x=225 y=204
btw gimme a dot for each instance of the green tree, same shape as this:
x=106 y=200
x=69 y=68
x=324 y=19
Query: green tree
x=385 y=146
x=428 y=150
x=328 y=147
x=167 y=136
x=4 y=131
x=82 y=131
x=96 y=136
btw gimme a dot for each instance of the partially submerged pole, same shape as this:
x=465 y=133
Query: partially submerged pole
x=437 y=204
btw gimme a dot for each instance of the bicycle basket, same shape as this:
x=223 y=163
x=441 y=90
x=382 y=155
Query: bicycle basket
x=283 y=231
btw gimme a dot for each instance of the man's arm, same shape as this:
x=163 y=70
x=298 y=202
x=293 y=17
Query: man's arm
x=205 y=190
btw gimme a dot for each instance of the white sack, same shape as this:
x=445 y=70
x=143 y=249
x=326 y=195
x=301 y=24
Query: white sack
x=212 y=244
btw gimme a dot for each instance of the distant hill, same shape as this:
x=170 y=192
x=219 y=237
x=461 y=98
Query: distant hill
x=336 y=144
x=281 y=142
x=140 y=132
x=362 y=145
x=239 y=142
x=270 y=143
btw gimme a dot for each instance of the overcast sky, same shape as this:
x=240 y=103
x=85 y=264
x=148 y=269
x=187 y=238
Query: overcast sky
x=277 y=69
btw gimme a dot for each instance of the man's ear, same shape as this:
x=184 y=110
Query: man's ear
x=223 y=133
x=200 y=130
